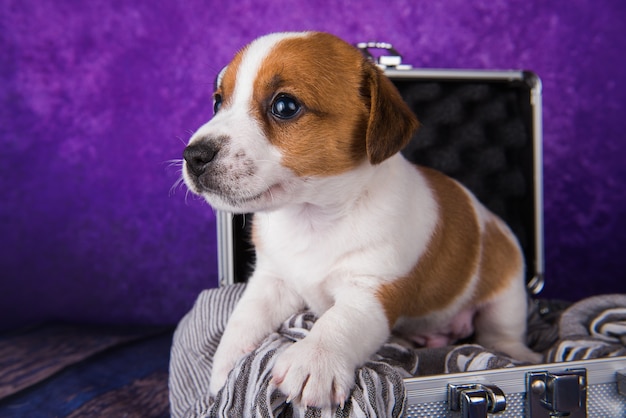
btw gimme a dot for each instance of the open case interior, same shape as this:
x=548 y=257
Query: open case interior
x=482 y=128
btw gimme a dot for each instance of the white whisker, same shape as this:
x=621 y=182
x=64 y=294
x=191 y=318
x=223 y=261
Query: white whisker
x=266 y=161
x=244 y=221
x=177 y=185
x=176 y=162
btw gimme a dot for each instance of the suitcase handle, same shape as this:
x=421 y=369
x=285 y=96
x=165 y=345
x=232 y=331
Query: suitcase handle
x=390 y=59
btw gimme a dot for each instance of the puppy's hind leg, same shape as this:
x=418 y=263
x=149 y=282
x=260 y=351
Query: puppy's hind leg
x=501 y=324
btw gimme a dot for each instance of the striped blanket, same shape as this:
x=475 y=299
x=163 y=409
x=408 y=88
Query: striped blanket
x=592 y=328
x=379 y=389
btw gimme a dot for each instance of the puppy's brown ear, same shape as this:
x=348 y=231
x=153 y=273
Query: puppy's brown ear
x=391 y=123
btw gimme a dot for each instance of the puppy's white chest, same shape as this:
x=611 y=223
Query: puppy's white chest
x=363 y=239
x=308 y=258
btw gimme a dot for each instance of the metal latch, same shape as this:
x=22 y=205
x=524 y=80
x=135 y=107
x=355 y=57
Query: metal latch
x=475 y=400
x=557 y=394
x=390 y=59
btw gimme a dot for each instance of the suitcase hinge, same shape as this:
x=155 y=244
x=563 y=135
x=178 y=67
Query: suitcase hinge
x=557 y=394
x=475 y=400
x=390 y=59
x=621 y=382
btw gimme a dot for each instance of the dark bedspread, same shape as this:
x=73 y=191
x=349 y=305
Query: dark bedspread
x=85 y=371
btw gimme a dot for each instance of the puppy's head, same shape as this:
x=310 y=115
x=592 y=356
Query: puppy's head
x=289 y=109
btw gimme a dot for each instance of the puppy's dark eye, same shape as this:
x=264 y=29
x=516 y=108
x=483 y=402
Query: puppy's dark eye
x=285 y=107
x=217 y=103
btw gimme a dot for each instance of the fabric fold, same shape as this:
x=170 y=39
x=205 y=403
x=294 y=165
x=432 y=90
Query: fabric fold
x=592 y=328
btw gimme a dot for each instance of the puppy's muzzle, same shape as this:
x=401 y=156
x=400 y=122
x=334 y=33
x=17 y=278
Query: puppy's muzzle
x=199 y=156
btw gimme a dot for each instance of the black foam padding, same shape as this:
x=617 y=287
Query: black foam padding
x=478 y=132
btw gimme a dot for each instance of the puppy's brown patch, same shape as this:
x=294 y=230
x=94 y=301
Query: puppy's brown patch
x=328 y=136
x=452 y=257
x=501 y=261
x=332 y=81
x=391 y=123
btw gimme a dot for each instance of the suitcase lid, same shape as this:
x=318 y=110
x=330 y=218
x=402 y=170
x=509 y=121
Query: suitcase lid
x=484 y=129
x=481 y=127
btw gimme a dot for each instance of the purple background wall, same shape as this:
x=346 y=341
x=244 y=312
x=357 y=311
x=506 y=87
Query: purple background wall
x=97 y=97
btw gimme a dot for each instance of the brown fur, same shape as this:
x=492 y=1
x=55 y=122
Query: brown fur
x=501 y=261
x=391 y=122
x=339 y=126
x=445 y=270
x=326 y=138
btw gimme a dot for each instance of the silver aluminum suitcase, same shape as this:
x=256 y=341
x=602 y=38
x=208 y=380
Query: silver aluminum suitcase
x=484 y=129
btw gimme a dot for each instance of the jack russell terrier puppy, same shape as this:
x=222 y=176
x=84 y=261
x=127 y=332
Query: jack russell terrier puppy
x=306 y=135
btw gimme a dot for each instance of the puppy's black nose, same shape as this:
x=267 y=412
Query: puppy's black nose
x=198 y=157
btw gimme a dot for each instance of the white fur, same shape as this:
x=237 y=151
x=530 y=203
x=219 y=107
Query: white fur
x=324 y=243
x=271 y=184
x=256 y=53
x=320 y=252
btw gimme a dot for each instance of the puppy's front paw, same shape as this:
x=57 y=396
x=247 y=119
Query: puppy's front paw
x=316 y=375
x=219 y=376
x=225 y=359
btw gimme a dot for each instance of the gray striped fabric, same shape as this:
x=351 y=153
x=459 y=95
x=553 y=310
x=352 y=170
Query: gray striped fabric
x=195 y=342
x=379 y=389
x=593 y=328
